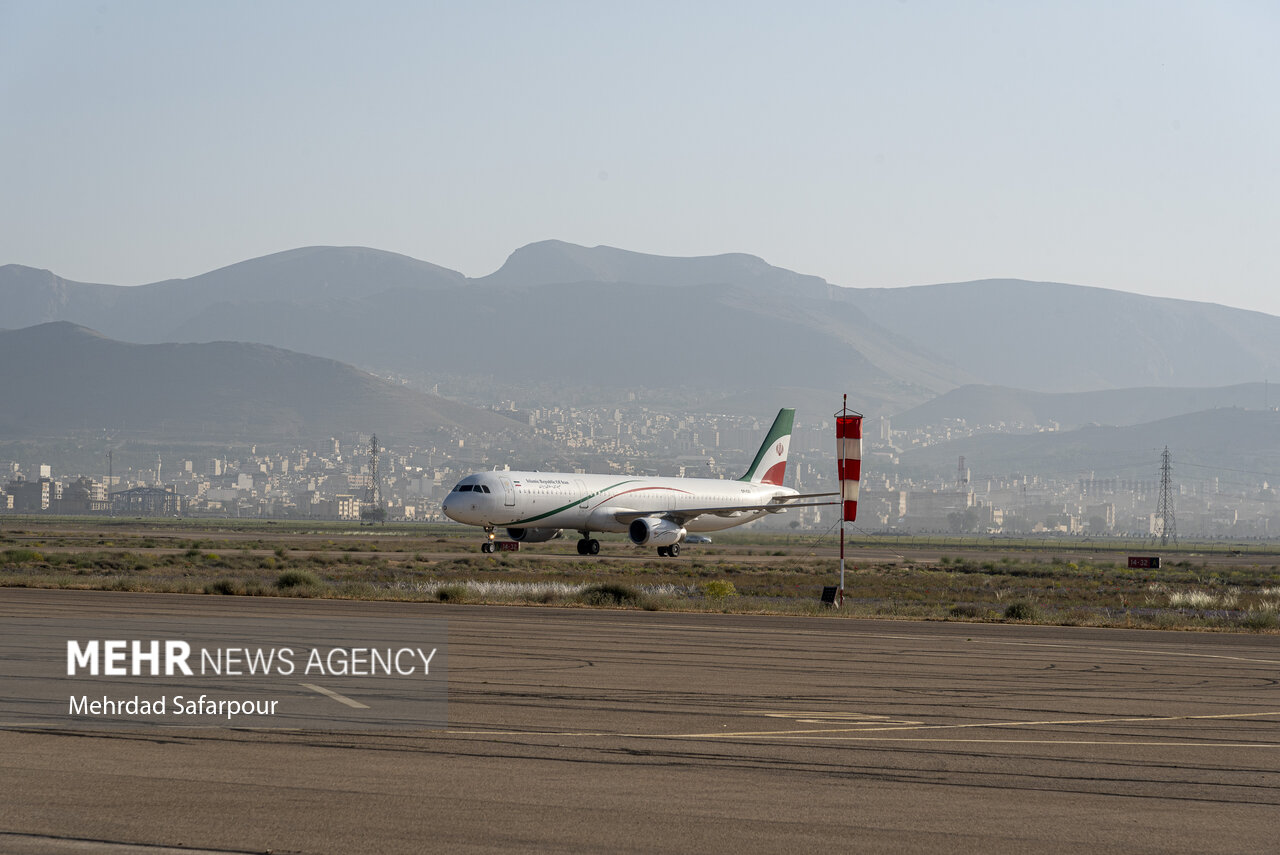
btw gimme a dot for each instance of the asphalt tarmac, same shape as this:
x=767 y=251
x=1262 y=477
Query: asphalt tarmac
x=621 y=731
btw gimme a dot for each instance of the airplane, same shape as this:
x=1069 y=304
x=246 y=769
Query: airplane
x=535 y=506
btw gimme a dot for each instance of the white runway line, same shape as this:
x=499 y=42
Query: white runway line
x=874 y=727
x=342 y=699
x=855 y=734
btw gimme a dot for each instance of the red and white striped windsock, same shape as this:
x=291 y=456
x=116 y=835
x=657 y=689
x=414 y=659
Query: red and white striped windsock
x=849 y=460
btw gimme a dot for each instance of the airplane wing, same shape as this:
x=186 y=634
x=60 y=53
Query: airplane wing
x=683 y=515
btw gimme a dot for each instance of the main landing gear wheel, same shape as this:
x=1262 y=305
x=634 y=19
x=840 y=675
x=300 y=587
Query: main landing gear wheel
x=588 y=546
x=672 y=551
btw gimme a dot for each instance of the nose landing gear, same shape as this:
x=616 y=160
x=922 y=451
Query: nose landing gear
x=488 y=546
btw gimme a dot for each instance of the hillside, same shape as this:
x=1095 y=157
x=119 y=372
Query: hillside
x=1052 y=337
x=565 y=322
x=1016 y=409
x=282 y=282
x=57 y=378
x=1234 y=443
x=556 y=262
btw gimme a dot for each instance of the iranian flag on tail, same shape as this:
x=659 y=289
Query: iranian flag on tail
x=849 y=461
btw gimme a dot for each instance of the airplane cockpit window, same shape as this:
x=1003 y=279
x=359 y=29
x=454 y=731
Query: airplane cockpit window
x=463 y=488
x=482 y=488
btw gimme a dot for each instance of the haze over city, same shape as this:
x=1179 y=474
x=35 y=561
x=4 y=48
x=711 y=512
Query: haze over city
x=1123 y=145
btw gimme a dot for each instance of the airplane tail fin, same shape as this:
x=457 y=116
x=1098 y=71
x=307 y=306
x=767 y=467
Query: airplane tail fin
x=770 y=465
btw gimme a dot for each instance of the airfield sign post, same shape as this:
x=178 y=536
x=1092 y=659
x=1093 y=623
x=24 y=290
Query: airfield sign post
x=849 y=462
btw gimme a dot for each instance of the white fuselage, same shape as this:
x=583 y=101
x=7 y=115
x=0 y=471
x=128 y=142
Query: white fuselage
x=565 y=500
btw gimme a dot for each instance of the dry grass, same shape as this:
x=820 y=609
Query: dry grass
x=759 y=573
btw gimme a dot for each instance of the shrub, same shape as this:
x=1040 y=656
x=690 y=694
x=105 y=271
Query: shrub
x=719 y=589
x=223 y=586
x=610 y=594
x=452 y=594
x=1021 y=611
x=298 y=579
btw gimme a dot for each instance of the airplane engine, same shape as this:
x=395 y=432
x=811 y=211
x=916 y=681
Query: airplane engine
x=532 y=535
x=653 y=531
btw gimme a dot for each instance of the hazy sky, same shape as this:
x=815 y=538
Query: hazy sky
x=1129 y=145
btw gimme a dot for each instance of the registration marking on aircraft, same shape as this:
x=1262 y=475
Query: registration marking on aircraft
x=342 y=699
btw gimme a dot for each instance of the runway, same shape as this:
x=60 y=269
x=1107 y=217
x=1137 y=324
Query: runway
x=575 y=729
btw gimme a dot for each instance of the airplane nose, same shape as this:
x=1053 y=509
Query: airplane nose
x=464 y=509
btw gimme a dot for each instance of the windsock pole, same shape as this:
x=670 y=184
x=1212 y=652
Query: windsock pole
x=842 y=563
x=849 y=461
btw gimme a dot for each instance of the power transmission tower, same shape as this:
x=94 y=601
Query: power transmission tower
x=373 y=511
x=1168 y=523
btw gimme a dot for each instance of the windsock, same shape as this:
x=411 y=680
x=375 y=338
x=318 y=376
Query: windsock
x=849 y=460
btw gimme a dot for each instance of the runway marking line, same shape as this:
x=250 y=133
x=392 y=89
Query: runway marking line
x=847 y=733
x=342 y=699
x=882 y=728
x=965 y=741
x=807 y=717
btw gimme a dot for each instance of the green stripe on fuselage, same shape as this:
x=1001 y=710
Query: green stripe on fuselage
x=574 y=503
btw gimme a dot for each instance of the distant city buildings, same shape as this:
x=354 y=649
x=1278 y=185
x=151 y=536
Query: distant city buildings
x=323 y=483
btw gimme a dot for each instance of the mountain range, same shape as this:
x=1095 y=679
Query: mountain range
x=560 y=317
x=58 y=378
x=260 y=349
